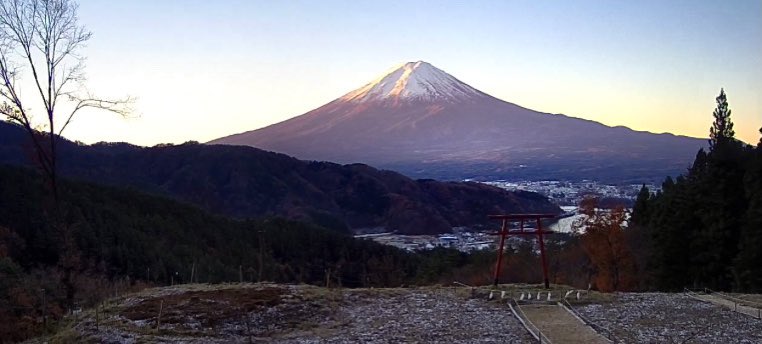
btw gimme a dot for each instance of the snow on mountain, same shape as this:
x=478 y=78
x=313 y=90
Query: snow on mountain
x=421 y=121
x=414 y=81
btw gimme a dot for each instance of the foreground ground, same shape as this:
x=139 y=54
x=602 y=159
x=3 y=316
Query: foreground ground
x=297 y=314
x=671 y=318
x=261 y=313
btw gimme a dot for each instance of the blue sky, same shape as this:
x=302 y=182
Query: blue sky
x=202 y=69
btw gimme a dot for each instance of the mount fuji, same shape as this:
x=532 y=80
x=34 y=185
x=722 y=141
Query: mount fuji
x=425 y=123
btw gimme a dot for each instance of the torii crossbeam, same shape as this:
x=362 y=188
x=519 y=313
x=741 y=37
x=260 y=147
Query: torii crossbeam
x=505 y=231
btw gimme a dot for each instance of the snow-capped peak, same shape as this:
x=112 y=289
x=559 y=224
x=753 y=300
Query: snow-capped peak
x=414 y=81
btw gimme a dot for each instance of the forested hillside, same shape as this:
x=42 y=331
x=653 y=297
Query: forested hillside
x=706 y=225
x=129 y=237
x=246 y=182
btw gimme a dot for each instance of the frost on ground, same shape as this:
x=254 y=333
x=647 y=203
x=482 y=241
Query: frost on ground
x=275 y=313
x=300 y=314
x=671 y=318
x=420 y=315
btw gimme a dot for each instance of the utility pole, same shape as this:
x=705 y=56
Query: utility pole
x=193 y=271
x=44 y=310
x=261 y=254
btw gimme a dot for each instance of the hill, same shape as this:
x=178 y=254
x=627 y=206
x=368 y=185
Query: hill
x=125 y=232
x=245 y=182
x=127 y=239
x=425 y=123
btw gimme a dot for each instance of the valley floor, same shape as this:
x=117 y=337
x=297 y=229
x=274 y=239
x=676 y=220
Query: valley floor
x=273 y=313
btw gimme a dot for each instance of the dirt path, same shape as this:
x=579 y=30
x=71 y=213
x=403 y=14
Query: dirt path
x=717 y=300
x=560 y=326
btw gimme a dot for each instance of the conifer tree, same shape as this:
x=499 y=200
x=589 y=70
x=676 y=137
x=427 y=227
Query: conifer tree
x=699 y=164
x=720 y=194
x=640 y=211
x=706 y=225
x=747 y=269
x=722 y=128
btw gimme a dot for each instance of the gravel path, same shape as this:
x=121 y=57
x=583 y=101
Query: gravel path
x=671 y=318
x=560 y=326
x=730 y=304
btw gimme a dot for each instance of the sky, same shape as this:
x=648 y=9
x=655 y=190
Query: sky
x=205 y=69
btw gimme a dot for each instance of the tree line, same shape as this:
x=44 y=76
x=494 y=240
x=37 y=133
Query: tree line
x=704 y=228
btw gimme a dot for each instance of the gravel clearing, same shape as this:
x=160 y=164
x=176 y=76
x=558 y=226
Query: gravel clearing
x=275 y=313
x=267 y=313
x=671 y=318
x=431 y=315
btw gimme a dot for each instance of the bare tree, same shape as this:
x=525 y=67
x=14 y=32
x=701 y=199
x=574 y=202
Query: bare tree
x=43 y=38
x=42 y=83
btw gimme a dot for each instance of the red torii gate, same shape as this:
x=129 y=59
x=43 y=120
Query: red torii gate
x=504 y=232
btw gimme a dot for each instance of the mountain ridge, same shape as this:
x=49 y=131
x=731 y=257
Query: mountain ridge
x=245 y=182
x=375 y=125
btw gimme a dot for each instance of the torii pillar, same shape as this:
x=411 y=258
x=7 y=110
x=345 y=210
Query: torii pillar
x=505 y=231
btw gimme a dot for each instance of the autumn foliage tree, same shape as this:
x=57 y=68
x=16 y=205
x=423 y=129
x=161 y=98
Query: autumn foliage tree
x=603 y=240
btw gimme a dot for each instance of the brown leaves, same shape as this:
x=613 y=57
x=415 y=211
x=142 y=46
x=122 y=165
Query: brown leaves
x=605 y=244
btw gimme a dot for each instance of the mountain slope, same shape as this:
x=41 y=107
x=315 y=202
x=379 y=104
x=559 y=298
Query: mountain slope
x=246 y=182
x=123 y=236
x=426 y=123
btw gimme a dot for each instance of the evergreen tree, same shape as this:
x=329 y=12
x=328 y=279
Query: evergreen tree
x=720 y=202
x=705 y=225
x=672 y=224
x=640 y=211
x=699 y=164
x=747 y=269
x=722 y=128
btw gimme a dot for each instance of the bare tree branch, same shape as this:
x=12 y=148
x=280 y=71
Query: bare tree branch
x=121 y=107
x=44 y=37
